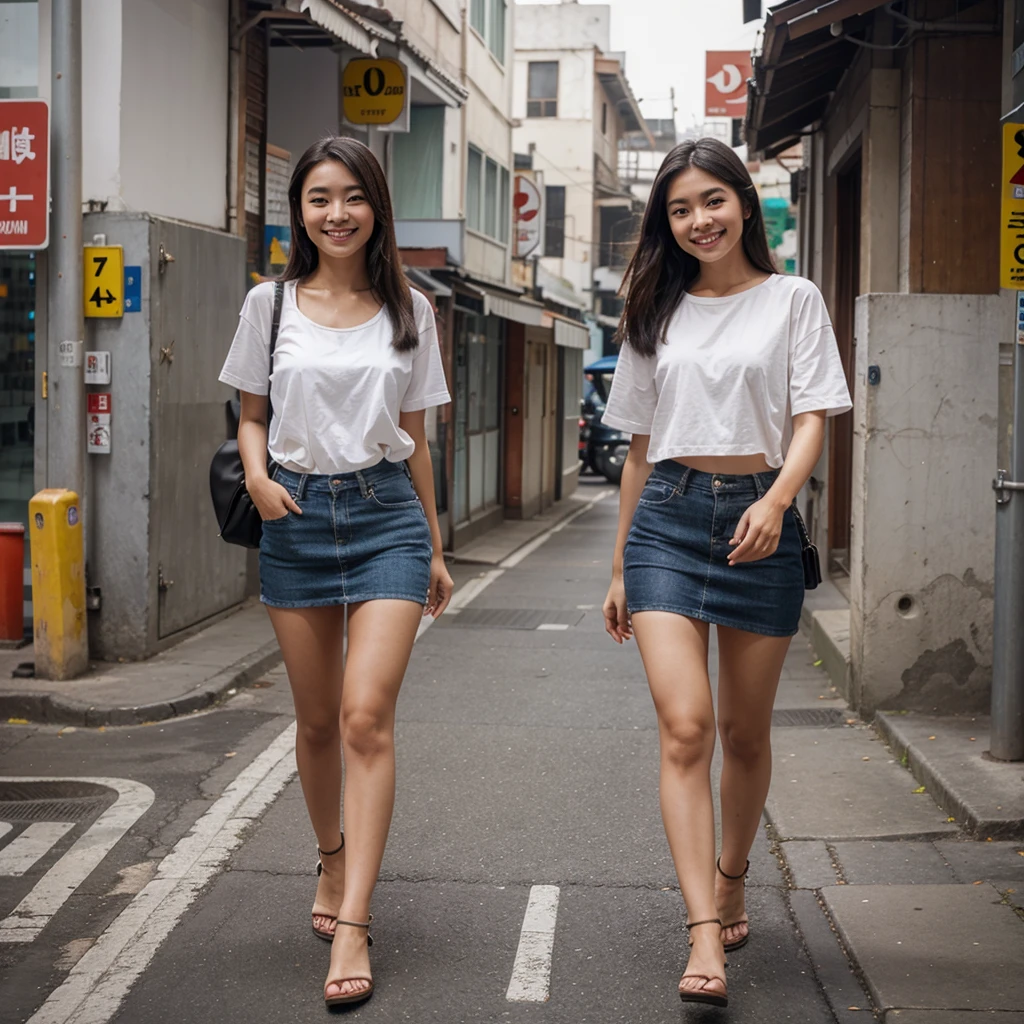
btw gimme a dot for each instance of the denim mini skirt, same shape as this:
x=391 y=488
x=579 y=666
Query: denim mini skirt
x=677 y=553
x=362 y=536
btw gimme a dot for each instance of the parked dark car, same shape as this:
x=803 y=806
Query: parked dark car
x=603 y=449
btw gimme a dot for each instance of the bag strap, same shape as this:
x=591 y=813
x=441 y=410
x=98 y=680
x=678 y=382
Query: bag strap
x=275 y=323
x=805 y=537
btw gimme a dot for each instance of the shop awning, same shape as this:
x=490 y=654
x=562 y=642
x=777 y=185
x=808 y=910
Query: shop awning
x=799 y=68
x=348 y=27
x=425 y=280
x=613 y=80
x=568 y=333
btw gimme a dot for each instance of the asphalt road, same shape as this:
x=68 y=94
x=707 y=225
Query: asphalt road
x=526 y=757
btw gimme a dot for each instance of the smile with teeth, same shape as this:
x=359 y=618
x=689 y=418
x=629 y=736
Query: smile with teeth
x=339 y=234
x=709 y=239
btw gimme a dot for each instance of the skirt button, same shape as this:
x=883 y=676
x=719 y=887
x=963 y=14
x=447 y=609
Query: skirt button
x=718 y=483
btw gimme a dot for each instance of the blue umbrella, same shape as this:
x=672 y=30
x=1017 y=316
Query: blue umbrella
x=604 y=365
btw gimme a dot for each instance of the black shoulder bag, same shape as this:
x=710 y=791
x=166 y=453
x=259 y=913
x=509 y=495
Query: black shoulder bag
x=237 y=516
x=808 y=552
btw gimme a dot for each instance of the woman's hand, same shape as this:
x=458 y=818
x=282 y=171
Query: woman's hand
x=616 y=617
x=441 y=587
x=272 y=501
x=757 y=535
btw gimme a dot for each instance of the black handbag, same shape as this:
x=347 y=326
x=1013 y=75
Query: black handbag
x=239 y=520
x=808 y=553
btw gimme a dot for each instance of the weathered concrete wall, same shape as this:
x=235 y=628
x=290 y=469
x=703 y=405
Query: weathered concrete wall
x=148 y=501
x=923 y=514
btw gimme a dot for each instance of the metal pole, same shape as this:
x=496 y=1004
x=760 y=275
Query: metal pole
x=1007 y=731
x=66 y=403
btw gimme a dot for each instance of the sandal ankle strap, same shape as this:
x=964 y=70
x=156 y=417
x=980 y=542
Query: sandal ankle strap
x=697 y=924
x=361 y=924
x=732 y=878
x=331 y=853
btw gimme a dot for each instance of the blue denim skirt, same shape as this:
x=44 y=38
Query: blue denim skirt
x=361 y=537
x=677 y=553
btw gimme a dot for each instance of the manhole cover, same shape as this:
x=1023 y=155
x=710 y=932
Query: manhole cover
x=808 y=716
x=61 y=800
x=512 y=618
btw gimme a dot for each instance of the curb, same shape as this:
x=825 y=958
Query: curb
x=943 y=791
x=55 y=709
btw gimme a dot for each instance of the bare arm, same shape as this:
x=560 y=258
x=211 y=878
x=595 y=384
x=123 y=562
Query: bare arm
x=757 y=535
x=421 y=468
x=271 y=499
x=635 y=472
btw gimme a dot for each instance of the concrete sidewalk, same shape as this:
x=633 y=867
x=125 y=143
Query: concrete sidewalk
x=201 y=670
x=932 y=921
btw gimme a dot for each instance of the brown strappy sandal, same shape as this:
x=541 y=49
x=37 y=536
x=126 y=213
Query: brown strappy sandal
x=322 y=933
x=702 y=995
x=739 y=943
x=363 y=994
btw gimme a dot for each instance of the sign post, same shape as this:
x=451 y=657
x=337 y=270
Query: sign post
x=1007 y=730
x=24 y=174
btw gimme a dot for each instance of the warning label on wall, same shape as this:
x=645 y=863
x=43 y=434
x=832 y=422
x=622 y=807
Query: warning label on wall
x=1011 y=231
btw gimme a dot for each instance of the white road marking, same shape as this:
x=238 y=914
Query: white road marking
x=4 y=828
x=553 y=626
x=18 y=856
x=531 y=972
x=96 y=986
x=528 y=549
x=33 y=913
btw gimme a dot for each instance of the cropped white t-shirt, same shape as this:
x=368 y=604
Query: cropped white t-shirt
x=336 y=391
x=732 y=373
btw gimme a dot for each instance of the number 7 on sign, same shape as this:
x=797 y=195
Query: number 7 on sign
x=103 y=279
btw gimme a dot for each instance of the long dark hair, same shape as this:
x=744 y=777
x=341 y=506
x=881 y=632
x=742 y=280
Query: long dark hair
x=382 y=260
x=660 y=272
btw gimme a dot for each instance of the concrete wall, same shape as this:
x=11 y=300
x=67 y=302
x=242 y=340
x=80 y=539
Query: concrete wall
x=154 y=105
x=563 y=26
x=193 y=304
x=303 y=98
x=923 y=513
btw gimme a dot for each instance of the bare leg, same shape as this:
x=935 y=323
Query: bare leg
x=675 y=654
x=380 y=639
x=312 y=641
x=748 y=676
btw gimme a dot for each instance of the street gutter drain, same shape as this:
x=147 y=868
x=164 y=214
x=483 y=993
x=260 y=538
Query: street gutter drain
x=819 y=717
x=53 y=801
x=512 y=618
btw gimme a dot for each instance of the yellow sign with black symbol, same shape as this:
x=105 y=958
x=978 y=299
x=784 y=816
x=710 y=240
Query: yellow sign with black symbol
x=373 y=91
x=103 y=280
x=1011 y=230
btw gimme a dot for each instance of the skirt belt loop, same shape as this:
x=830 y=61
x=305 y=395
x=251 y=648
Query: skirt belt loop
x=364 y=488
x=684 y=480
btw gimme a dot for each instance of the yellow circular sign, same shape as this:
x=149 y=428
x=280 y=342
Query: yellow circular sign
x=373 y=91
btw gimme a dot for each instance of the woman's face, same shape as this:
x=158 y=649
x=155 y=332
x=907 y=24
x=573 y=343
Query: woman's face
x=335 y=211
x=706 y=215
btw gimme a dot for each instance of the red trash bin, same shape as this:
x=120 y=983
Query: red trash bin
x=12 y=581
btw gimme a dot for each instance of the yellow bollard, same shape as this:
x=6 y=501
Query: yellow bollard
x=58 y=584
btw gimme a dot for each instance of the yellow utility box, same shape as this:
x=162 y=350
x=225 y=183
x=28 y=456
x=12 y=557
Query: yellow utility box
x=58 y=584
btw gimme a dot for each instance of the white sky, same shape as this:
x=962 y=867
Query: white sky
x=665 y=42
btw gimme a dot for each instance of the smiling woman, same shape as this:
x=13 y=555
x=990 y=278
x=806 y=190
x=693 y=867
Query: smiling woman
x=340 y=472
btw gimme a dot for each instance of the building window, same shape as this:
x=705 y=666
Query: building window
x=487 y=196
x=554 y=220
x=488 y=18
x=542 y=89
x=417 y=165
x=604 y=118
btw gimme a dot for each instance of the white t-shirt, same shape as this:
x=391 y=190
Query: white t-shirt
x=732 y=373
x=336 y=391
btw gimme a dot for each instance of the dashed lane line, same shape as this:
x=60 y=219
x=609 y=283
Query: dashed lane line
x=531 y=972
x=51 y=892
x=35 y=842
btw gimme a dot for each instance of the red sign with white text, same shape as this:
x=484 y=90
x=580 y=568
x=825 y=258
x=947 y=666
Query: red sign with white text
x=99 y=401
x=725 y=89
x=24 y=174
